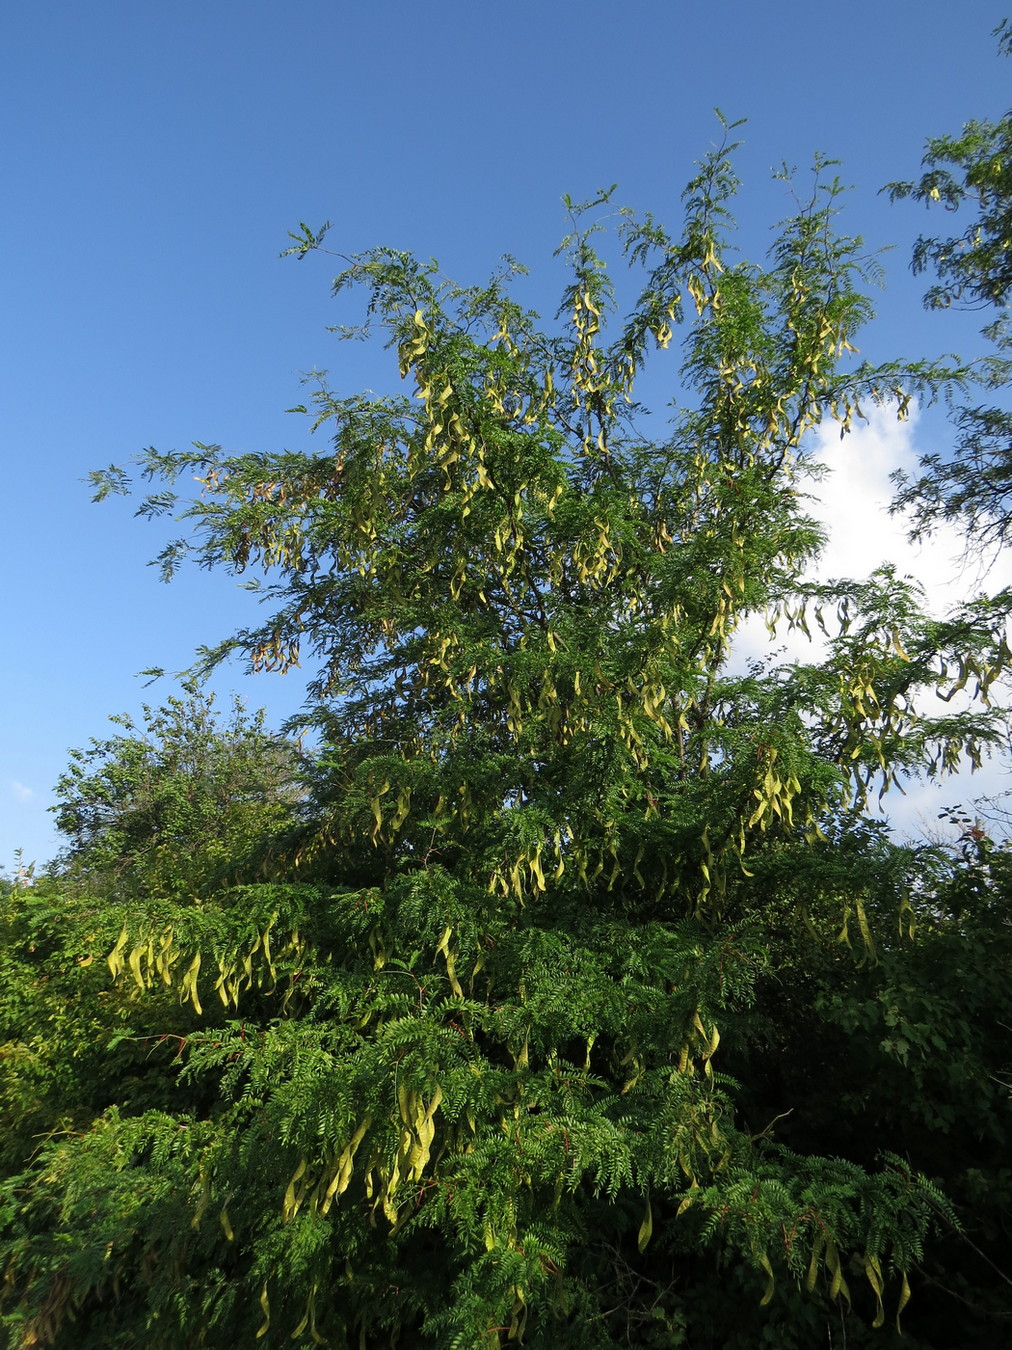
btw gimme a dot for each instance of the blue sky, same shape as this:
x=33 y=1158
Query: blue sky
x=156 y=155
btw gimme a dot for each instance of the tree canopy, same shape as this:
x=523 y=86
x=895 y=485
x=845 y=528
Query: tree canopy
x=177 y=805
x=972 y=270
x=580 y=1004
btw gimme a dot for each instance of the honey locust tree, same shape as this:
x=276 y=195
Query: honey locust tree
x=460 y=1075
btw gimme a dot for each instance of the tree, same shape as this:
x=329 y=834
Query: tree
x=974 y=271
x=465 y=1082
x=177 y=804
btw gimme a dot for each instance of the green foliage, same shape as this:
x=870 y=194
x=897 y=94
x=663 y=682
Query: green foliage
x=973 y=270
x=178 y=804
x=554 y=1015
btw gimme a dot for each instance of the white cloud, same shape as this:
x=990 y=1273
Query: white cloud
x=852 y=503
x=23 y=794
